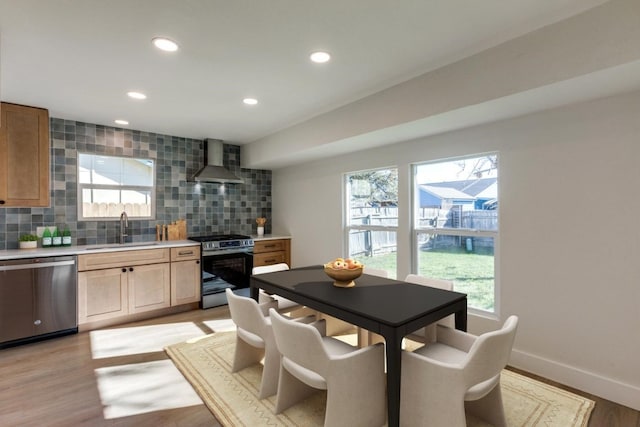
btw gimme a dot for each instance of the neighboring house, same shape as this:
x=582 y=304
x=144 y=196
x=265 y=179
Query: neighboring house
x=443 y=197
x=487 y=199
x=484 y=191
x=455 y=203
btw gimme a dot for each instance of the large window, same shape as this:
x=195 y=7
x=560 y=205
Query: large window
x=372 y=218
x=108 y=186
x=456 y=225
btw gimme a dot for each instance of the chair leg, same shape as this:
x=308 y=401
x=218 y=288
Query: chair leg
x=489 y=408
x=245 y=355
x=335 y=326
x=270 y=373
x=291 y=391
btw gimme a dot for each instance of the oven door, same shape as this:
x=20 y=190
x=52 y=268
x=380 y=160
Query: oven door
x=221 y=270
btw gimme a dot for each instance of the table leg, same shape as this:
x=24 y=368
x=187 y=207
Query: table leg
x=461 y=320
x=394 y=358
x=254 y=291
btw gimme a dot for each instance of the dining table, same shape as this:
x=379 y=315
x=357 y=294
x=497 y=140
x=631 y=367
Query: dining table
x=391 y=308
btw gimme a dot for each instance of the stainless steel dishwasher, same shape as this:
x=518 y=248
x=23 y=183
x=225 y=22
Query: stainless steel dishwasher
x=38 y=299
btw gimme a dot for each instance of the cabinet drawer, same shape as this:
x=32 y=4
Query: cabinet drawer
x=268 y=258
x=185 y=253
x=122 y=258
x=260 y=246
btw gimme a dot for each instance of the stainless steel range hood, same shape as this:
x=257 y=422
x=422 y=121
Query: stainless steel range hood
x=213 y=170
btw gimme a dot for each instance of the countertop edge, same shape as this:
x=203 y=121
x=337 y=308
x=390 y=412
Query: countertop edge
x=91 y=249
x=255 y=237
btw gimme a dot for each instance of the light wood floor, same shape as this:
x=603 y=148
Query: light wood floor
x=54 y=383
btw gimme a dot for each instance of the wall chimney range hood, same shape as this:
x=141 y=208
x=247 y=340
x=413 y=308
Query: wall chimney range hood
x=213 y=170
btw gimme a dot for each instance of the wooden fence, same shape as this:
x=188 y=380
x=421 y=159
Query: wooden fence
x=374 y=242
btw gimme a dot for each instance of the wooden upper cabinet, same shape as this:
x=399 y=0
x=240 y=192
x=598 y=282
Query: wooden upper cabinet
x=24 y=156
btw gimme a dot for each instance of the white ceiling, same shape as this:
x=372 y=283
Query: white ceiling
x=78 y=58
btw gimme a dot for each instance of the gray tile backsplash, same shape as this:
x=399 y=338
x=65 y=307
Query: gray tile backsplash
x=208 y=208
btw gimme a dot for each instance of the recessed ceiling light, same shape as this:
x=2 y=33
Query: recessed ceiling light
x=137 y=95
x=320 y=57
x=165 y=44
x=121 y=122
x=250 y=101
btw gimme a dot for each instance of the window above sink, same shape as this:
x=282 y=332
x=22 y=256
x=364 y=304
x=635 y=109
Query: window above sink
x=109 y=185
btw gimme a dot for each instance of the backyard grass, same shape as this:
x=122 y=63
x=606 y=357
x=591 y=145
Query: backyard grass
x=471 y=273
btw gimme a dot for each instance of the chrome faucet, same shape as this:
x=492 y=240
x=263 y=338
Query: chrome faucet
x=124 y=223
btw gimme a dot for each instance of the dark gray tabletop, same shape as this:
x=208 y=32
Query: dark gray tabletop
x=387 y=301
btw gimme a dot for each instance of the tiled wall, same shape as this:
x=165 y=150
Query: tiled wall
x=208 y=207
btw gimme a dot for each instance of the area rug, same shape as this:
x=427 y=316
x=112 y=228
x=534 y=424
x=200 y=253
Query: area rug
x=233 y=398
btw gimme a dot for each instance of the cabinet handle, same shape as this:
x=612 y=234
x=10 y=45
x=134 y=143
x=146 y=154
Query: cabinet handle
x=130 y=268
x=197 y=262
x=270 y=260
x=269 y=246
x=185 y=252
x=2 y=202
x=124 y=270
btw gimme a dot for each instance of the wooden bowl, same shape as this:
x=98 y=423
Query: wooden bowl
x=343 y=278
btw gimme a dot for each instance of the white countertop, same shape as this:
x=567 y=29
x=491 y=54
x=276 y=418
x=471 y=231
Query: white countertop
x=111 y=247
x=88 y=249
x=270 y=237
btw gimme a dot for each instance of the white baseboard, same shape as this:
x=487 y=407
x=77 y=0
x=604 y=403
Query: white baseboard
x=606 y=388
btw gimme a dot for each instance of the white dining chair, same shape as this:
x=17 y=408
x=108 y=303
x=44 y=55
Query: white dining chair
x=375 y=272
x=254 y=339
x=284 y=305
x=427 y=334
x=353 y=378
x=457 y=371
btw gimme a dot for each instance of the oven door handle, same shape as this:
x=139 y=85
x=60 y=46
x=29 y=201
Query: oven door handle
x=228 y=251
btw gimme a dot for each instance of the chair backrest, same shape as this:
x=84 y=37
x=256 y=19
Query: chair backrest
x=447 y=285
x=429 y=281
x=375 y=272
x=299 y=342
x=246 y=313
x=262 y=269
x=490 y=353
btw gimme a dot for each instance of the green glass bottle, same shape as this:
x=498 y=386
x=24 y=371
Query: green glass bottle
x=46 y=238
x=56 y=238
x=66 y=236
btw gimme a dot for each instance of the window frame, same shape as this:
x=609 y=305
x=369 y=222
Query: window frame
x=120 y=188
x=416 y=230
x=346 y=211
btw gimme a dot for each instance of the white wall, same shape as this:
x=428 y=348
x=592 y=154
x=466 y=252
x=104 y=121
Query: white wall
x=569 y=262
x=587 y=56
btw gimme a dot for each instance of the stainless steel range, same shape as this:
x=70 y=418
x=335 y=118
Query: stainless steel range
x=227 y=261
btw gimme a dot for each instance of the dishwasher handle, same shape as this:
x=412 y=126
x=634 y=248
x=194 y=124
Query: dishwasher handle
x=35 y=265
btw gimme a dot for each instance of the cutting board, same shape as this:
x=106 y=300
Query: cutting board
x=174 y=231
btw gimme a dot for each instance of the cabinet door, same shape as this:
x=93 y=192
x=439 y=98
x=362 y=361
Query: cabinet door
x=149 y=287
x=24 y=156
x=102 y=294
x=185 y=282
